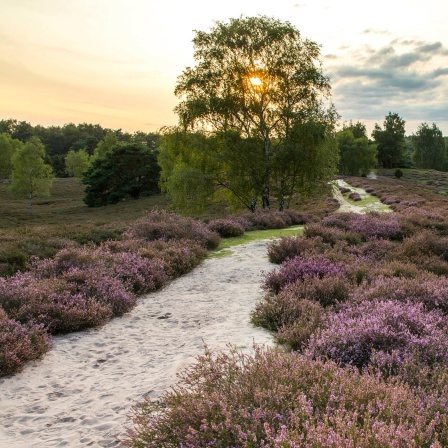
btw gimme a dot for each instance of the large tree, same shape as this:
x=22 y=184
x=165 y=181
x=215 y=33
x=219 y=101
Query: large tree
x=390 y=141
x=429 y=148
x=256 y=86
x=127 y=170
x=31 y=176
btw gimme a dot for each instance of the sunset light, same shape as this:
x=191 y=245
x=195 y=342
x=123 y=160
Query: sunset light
x=255 y=81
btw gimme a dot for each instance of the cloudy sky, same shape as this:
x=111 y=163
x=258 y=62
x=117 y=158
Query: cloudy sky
x=115 y=62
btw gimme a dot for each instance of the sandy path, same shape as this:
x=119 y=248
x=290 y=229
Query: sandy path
x=80 y=393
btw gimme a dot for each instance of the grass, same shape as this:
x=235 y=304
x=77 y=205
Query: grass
x=223 y=249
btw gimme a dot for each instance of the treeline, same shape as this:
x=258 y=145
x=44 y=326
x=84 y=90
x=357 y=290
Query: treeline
x=59 y=140
x=389 y=147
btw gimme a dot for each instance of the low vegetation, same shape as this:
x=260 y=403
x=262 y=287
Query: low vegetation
x=361 y=301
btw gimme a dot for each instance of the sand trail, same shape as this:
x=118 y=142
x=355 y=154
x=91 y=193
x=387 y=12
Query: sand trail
x=80 y=393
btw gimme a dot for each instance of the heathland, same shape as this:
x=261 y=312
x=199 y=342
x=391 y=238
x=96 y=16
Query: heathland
x=360 y=299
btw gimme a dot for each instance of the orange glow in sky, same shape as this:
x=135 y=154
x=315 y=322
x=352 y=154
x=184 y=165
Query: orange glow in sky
x=115 y=62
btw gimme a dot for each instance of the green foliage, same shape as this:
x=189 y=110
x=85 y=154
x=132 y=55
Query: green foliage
x=76 y=163
x=357 y=156
x=8 y=147
x=398 y=173
x=258 y=86
x=429 y=148
x=31 y=176
x=390 y=141
x=128 y=170
x=105 y=146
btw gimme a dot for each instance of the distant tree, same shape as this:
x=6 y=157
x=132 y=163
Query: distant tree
x=356 y=155
x=77 y=163
x=127 y=170
x=8 y=147
x=390 y=141
x=105 y=145
x=358 y=129
x=31 y=176
x=7 y=126
x=429 y=148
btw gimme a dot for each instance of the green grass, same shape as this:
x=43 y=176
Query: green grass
x=223 y=249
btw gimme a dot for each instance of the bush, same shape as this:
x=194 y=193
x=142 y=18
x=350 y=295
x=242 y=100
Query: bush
x=290 y=247
x=160 y=224
x=283 y=309
x=430 y=290
x=355 y=334
x=272 y=399
x=20 y=344
x=398 y=173
x=226 y=228
x=299 y=268
x=354 y=196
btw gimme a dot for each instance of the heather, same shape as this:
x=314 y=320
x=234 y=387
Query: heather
x=20 y=344
x=83 y=286
x=273 y=399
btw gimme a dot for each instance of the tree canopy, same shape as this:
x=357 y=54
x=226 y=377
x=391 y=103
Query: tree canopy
x=77 y=163
x=31 y=176
x=8 y=147
x=429 y=148
x=257 y=86
x=390 y=141
x=357 y=154
x=127 y=170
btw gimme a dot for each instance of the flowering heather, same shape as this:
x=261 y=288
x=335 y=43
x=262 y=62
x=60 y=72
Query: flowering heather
x=20 y=344
x=353 y=335
x=372 y=225
x=430 y=290
x=178 y=257
x=160 y=224
x=339 y=220
x=226 y=228
x=290 y=247
x=273 y=399
x=299 y=268
x=274 y=311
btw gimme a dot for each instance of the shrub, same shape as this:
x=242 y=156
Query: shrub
x=290 y=247
x=160 y=224
x=178 y=257
x=430 y=290
x=283 y=309
x=353 y=335
x=299 y=268
x=272 y=399
x=20 y=344
x=376 y=226
x=398 y=173
x=226 y=228
x=331 y=235
x=355 y=196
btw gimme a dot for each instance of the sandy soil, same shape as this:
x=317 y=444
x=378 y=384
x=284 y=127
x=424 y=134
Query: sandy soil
x=80 y=393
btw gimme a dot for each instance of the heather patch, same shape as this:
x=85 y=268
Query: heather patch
x=290 y=247
x=160 y=224
x=273 y=399
x=299 y=268
x=20 y=344
x=374 y=331
x=226 y=228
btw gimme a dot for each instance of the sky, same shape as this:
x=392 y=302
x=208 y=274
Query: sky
x=115 y=62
